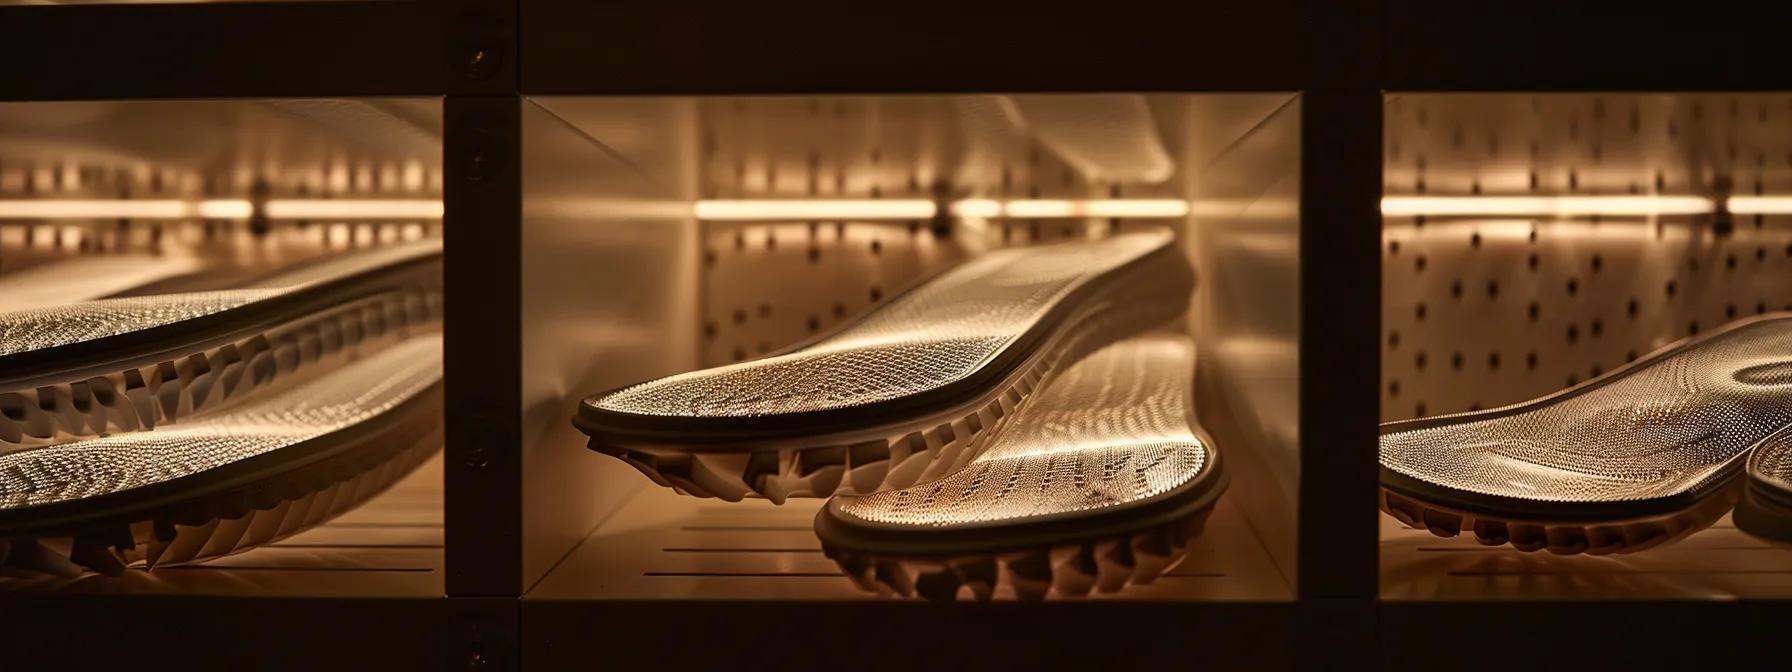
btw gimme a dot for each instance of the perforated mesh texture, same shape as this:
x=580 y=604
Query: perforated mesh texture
x=316 y=407
x=1772 y=461
x=42 y=328
x=1669 y=426
x=920 y=341
x=1114 y=428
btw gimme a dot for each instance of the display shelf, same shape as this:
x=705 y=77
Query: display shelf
x=1718 y=563
x=360 y=592
x=389 y=547
x=660 y=545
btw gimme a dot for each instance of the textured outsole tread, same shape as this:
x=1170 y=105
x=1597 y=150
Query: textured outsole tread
x=230 y=525
x=1615 y=537
x=144 y=397
x=1103 y=565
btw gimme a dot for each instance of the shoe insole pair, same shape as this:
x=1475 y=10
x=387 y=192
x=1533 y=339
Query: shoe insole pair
x=179 y=427
x=1639 y=457
x=1001 y=424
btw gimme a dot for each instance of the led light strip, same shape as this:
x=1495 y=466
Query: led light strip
x=353 y=209
x=1545 y=206
x=875 y=209
x=1760 y=205
x=830 y=209
x=109 y=209
x=892 y=209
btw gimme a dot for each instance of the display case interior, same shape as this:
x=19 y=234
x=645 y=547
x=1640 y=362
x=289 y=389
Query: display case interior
x=283 y=217
x=1611 y=256
x=674 y=234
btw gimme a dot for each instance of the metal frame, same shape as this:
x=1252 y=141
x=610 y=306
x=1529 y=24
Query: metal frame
x=1583 y=45
x=121 y=631
x=925 y=46
x=1342 y=56
x=458 y=48
x=368 y=48
x=1538 y=46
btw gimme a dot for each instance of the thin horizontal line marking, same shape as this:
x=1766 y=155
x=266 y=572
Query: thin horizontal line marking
x=423 y=546
x=741 y=550
x=433 y=526
x=1658 y=551
x=749 y=528
x=277 y=568
x=747 y=574
x=1617 y=571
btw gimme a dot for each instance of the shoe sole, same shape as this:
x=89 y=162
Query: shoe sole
x=1105 y=564
x=143 y=379
x=1598 y=527
x=1112 y=415
x=1614 y=536
x=915 y=450
x=229 y=508
x=242 y=522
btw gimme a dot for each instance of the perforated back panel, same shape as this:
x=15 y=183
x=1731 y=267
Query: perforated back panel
x=1482 y=312
x=762 y=286
x=768 y=285
x=189 y=150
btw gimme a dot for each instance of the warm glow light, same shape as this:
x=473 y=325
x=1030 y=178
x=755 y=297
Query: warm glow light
x=1116 y=207
x=95 y=209
x=978 y=207
x=1544 y=206
x=225 y=209
x=345 y=208
x=219 y=209
x=1760 y=205
x=830 y=209
x=841 y=209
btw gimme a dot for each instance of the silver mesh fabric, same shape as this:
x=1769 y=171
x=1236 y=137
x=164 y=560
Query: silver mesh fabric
x=920 y=341
x=37 y=329
x=41 y=328
x=1772 y=461
x=1114 y=428
x=1669 y=426
x=268 y=423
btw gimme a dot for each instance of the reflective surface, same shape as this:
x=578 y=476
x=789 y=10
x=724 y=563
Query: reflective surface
x=279 y=419
x=1673 y=424
x=1113 y=429
x=42 y=328
x=932 y=336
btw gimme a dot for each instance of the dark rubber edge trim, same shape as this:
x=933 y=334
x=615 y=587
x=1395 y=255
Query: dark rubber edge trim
x=109 y=354
x=189 y=499
x=1534 y=510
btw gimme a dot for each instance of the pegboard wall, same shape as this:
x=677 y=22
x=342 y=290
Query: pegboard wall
x=1484 y=311
x=167 y=151
x=767 y=286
